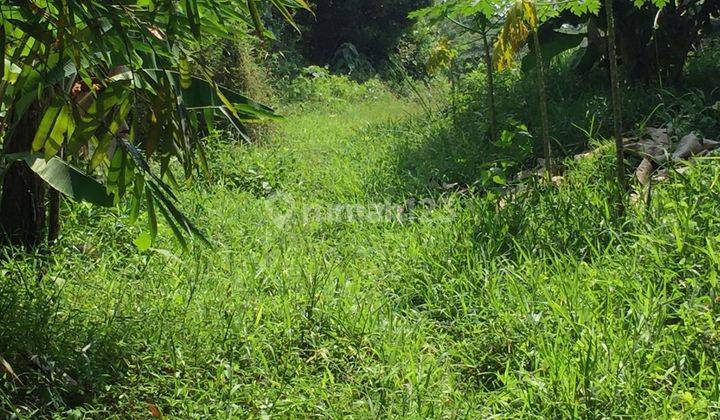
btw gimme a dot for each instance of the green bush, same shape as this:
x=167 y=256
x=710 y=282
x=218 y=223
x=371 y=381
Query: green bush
x=316 y=86
x=348 y=61
x=413 y=49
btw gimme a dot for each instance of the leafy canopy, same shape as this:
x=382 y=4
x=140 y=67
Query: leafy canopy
x=520 y=17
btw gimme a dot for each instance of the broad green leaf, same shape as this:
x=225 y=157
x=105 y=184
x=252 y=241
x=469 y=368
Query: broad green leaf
x=109 y=136
x=47 y=125
x=143 y=241
x=11 y=71
x=64 y=128
x=553 y=44
x=70 y=181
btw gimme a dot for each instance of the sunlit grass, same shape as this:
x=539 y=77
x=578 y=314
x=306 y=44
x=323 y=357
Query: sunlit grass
x=548 y=306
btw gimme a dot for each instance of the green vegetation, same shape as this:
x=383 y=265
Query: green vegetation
x=393 y=246
x=317 y=87
x=545 y=305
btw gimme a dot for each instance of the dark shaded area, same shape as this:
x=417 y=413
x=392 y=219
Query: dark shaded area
x=660 y=53
x=653 y=45
x=22 y=203
x=453 y=152
x=62 y=353
x=372 y=26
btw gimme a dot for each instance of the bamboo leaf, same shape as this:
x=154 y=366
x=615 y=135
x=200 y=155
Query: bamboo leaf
x=63 y=130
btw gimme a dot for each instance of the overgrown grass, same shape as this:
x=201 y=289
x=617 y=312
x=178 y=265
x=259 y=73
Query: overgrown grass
x=328 y=292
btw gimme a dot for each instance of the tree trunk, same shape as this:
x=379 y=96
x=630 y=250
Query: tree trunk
x=490 y=87
x=616 y=105
x=544 y=118
x=453 y=88
x=22 y=204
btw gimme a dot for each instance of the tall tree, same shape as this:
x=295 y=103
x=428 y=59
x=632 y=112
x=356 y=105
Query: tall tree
x=490 y=79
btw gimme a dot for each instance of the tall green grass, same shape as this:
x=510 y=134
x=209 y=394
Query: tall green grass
x=546 y=305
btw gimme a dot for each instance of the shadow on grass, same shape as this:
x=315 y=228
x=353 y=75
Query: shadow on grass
x=435 y=153
x=62 y=337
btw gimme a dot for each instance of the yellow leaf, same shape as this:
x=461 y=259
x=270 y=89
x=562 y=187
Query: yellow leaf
x=9 y=370
x=520 y=21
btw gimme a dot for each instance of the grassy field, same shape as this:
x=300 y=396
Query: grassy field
x=350 y=277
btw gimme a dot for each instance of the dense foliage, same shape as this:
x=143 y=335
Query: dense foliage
x=105 y=86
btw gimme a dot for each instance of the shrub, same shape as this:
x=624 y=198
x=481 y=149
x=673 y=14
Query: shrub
x=316 y=86
x=578 y=102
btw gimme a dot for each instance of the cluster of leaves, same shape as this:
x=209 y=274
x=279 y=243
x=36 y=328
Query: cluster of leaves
x=318 y=87
x=112 y=81
x=440 y=56
x=520 y=17
x=349 y=61
x=521 y=20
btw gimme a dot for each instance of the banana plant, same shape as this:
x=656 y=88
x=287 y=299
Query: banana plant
x=97 y=101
